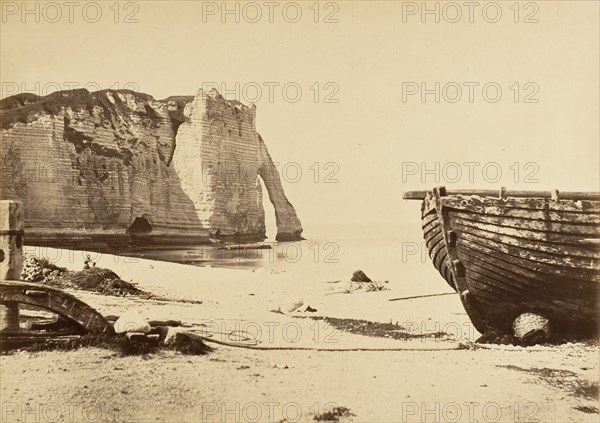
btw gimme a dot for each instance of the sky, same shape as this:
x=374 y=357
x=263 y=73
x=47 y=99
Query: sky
x=357 y=101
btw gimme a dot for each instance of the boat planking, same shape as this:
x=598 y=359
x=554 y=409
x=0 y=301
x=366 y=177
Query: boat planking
x=510 y=252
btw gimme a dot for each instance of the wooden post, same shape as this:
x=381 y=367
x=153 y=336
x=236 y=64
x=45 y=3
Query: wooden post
x=11 y=239
x=11 y=258
x=9 y=317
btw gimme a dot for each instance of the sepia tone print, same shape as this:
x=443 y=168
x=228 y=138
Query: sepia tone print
x=299 y=211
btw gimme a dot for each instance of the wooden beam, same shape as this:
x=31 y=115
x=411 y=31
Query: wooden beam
x=501 y=193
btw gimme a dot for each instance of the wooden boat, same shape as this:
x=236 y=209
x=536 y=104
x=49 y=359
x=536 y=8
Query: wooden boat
x=512 y=252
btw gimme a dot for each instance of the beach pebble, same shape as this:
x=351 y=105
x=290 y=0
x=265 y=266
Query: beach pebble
x=132 y=321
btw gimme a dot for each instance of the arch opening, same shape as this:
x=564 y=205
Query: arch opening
x=269 y=212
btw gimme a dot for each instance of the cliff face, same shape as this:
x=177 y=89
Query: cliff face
x=219 y=158
x=111 y=165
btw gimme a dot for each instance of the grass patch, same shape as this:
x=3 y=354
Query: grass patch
x=566 y=380
x=543 y=372
x=587 y=409
x=94 y=279
x=378 y=330
x=589 y=390
x=121 y=344
x=103 y=281
x=333 y=415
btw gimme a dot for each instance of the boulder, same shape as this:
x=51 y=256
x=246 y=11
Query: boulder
x=359 y=276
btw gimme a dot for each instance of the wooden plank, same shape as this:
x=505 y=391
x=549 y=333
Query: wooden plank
x=493 y=251
x=585 y=229
x=567 y=262
x=482 y=203
x=432 y=232
x=568 y=195
x=527 y=300
x=545 y=295
x=525 y=294
x=574 y=240
x=517 y=238
x=527 y=275
x=495 y=284
x=433 y=226
x=542 y=215
x=428 y=218
x=437 y=251
x=519 y=286
x=559 y=312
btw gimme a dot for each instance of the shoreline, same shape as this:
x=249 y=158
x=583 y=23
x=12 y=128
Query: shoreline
x=551 y=384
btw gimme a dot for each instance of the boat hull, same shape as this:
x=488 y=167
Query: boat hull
x=508 y=256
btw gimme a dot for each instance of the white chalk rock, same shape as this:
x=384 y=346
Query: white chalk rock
x=132 y=321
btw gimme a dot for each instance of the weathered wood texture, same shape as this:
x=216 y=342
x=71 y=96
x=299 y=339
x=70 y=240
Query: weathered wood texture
x=11 y=239
x=434 y=240
x=57 y=301
x=567 y=195
x=11 y=258
x=539 y=255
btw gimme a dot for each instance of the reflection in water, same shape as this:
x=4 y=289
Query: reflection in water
x=279 y=256
x=392 y=252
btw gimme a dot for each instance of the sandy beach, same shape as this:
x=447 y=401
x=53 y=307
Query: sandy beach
x=295 y=366
x=299 y=211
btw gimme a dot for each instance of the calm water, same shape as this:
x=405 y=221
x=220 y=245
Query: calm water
x=392 y=252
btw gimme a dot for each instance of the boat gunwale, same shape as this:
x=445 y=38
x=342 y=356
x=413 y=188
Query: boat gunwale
x=503 y=193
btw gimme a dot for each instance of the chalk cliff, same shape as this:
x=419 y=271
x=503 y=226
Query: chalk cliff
x=114 y=164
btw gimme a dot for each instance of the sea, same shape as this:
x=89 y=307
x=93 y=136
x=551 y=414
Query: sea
x=390 y=253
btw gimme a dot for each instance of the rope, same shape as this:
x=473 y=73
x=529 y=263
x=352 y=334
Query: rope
x=254 y=344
